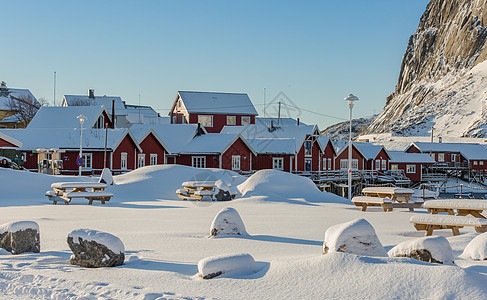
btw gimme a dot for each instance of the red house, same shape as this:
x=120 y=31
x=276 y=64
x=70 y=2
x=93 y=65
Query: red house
x=328 y=154
x=121 y=151
x=365 y=156
x=212 y=110
x=341 y=159
x=410 y=163
x=273 y=153
x=67 y=117
x=153 y=148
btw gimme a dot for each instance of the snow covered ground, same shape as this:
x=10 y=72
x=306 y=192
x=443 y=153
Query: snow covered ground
x=165 y=238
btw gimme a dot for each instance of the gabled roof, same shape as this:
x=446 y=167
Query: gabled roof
x=82 y=100
x=10 y=140
x=67 y=138
x=139 y=114
x=367 y=150
x=275 y=121
x=323 y=141
x=272 y=145
x=254 y=131
x=216 y=103
x=175 y=136
x=469 y=151
x=141 y=131
x=212 y=143
x=404 y=157
x=66 y=116
x=7 y=93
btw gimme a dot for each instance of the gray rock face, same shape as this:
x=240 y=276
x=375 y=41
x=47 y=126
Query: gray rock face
x=27 y=240
x=91 y=254
x=223 y=195
x=450 y=39
x=421 y=254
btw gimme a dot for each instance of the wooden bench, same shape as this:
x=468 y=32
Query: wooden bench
x=54 y=197
x=65 y=191
x=196 y=190
x=365 y=201
x=434 y=222
x=464 y=207
x=91 y=196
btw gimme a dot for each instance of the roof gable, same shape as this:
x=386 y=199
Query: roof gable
x=6 y=94
x=467 y=150
x=216 y=103
x=66 y=116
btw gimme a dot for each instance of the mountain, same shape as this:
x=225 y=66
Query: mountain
x=442 y=82
x=340 y=131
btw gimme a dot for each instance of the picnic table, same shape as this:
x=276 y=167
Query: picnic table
x=460 y=213
x=400 y=197
x=66 y=191
x=196 y=190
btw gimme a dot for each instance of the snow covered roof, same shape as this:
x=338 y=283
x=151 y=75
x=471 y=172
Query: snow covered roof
x=10 y=139
x=211 y=143
x=67 y=138
x=6 y=95
x=272 y=145
x=255 y=131
x=82 y=100
x=403 y=157
x=141 y=131
x=275 y=121
x=323 y=141
x=141 y=114
x=174 y=136
x=11 y=119
x=216 y=103
x=66 y=116
x=469 y=151
x=368 y=150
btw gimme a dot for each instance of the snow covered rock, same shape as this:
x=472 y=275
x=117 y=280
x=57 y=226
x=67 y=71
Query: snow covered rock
x=433 y=249
x=20 y=237
x=95 y=249
x=355 y=237
x=230 y=264
x=222 y=191
x=477 y=248
x=227 y=222
x=106 y=176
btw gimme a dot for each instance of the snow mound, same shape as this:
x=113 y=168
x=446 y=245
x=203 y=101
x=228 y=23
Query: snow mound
x=109 y=240
x=18 y=226
x=438 y=247
x=278 y=186
x=229 y=264
x=106 y=176
x=356 y=237
x=477 y=248
x=227 y=222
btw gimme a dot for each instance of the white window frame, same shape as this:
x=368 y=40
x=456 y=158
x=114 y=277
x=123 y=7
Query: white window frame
x=441 y=157
x=453 y=157
x=140 y=160
x=85 y=165
x=394 y=167
x=123 y=160
x=354 y=164
x=329 y=163
x=198 y=162
x=377 y=164
x=481 y=162
x=475 y=162
x=247 y=120
x=343 y=164
x=153 y=159
x=236 y=162
x=384 y=164
x=310 y=153
x=310 y=164
x=323 y=167
x=229 y=118
x=278 y=163
x=410 y=169
x=202 y=119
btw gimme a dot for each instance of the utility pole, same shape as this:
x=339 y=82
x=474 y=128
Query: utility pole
x=54 y=88
x=279 y=115
x=432 y=130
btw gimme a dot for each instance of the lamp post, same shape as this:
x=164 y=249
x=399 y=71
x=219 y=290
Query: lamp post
x=82 y=119
x=351 y=99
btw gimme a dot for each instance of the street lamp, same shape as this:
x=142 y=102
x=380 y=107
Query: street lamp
x=82 y=119
x=351 y=98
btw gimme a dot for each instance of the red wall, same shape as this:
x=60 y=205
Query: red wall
x=328 y=153
x=237 y=148
x=97 y=160
x=212 y=161
x=355 y=155
x=150 y=145
x=128 y=146
x=413 y=149
x=412 y=176
x=382 y=155
x=219 y=121
x=315 y=157
x=4 y=143
x=264 y=161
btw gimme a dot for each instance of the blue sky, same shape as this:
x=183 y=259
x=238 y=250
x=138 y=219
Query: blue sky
x=315 y=52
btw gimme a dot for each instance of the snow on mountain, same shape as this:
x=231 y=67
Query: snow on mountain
x=340 y=131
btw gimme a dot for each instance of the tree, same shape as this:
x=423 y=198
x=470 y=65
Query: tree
x=25 y=107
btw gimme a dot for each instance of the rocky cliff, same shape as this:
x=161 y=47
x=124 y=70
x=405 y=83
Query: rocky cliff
x=442 y=78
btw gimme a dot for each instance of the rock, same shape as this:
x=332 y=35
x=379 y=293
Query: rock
x=433 y=249
x=355 y=237
x=477 y=248
x=20 y=237
x=95 y=249
x=227 y=222
x=106 y=177
x=224 y=191
x=240 y=263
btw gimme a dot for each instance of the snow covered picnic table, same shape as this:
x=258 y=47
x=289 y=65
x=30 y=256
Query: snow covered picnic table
x=65 y=191
x=400 y=198
x=463 y=208
x=196 y=190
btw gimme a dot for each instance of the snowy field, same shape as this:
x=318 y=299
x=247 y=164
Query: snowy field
x=164 y=237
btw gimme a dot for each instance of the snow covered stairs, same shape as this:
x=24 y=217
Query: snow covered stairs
x=434 y=221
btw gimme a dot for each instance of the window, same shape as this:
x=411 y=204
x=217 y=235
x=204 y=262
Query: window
x=344 y=164
x=199 y=162
x=354 y=164
x=100 y=123
x=384 y=164
x=410 y=168
x=231 y=120
x=153 y=159
x=453 y=157
x=324 y=164
x=278 y=163
x=307 y=148
x=481 y=162
x=236 y=162
x=433 y=155
x=474 y=162
x=174 y=119
x=245 y=120
x=206 y=120
x=140 y=160
x=307 y=164
x=86 y=161
x=183 y=117
x=394 y=167
x=123 y=161
x=441 y=156
x=377 y=164
x=329 y=163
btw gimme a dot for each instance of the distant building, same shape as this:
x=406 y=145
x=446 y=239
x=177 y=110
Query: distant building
x=9 y=116
x=212 y=110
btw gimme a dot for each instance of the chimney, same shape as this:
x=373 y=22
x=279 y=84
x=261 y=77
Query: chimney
x=440 y=139
x=91 y=93
x=199 y=129
x=113 y=113
x=3 y=85
x=272 y=124
x=298 y=121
